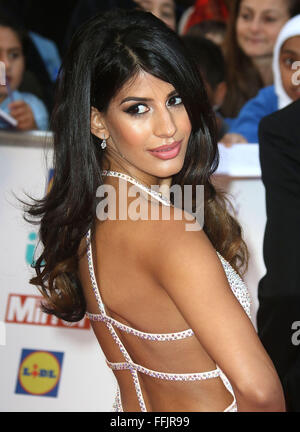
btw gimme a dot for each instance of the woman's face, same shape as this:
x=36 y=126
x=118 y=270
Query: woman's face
x=258 y=25
x=289 y=54
x=162 y=9
x=11 y=54
x=145 y=114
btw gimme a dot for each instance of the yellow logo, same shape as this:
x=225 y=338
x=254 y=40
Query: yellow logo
x=39 y=372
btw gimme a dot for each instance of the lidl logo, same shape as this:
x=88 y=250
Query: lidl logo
x=39 y=373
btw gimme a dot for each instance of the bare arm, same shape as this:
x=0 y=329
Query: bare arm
x=188 y=268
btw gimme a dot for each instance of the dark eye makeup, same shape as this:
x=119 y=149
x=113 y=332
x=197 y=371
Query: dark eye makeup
x=134 y=110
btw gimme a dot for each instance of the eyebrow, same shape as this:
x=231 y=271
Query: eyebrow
x=264 y=11
x=16 y=48
x=289 y=51
x=143 y=99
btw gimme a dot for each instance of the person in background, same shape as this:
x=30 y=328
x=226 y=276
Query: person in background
x=210 y=62
x=42 y=59
x=29 y=111
x=253 y=28
x=48 y=52
x=285 y=90
x=210 y=29
x=166 y=10
x=162 y=9
x=204 y=10
x=278 y=316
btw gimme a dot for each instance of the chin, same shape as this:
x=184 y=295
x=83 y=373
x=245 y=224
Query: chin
x=251 y=50
x=170 y=170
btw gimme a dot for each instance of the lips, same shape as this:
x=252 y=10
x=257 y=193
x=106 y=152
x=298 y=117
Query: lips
x=167 y=151
x=166 y=147
x=254 y=40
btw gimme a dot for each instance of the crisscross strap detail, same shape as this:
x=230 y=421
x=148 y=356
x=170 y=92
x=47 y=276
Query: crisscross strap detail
x=109 y=325
x=165 y=375
x=129 y=364
x=149 y=336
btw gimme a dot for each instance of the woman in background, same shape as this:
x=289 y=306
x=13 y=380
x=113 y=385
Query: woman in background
x=253 y=28
x=272 y=98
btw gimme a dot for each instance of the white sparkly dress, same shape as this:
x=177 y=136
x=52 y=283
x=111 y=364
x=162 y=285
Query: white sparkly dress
x=238 y=288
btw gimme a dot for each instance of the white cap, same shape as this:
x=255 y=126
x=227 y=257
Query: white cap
x=289 y=30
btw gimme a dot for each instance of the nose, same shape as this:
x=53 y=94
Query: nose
x=255 y=25
x=165 y=125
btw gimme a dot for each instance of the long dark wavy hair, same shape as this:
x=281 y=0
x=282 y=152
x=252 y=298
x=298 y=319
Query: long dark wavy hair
x=104 y=54
x=243 y=78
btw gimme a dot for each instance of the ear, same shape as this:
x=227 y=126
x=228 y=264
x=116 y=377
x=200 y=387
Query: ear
x=98 y=127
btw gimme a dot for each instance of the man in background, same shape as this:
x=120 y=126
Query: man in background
x=278 y=317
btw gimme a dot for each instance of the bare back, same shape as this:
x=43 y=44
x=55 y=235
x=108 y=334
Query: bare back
x=132 y=296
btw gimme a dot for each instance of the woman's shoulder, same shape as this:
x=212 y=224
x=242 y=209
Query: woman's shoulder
x=175 y=230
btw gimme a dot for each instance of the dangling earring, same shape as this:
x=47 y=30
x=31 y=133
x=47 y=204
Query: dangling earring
x=103 y=144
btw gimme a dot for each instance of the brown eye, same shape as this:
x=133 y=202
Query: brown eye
x=175 y=100
x=137 y=109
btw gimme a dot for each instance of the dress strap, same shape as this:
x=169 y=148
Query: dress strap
x=92 y=274
x=195 y=376
x=109 y=325
x=153 y=191
x=159 y=337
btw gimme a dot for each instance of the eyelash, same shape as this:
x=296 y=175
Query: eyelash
x=288 y=62
x=15 y=55
x=131 y=109
x=247 y=17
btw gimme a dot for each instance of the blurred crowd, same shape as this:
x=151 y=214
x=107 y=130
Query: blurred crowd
x=247 y=51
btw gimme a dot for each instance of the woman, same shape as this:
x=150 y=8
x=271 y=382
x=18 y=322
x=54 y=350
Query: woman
x=271 y=98
x=125 y=89
x=253 y=28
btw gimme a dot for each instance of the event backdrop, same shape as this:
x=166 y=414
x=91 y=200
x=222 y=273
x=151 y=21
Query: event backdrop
x=47 y=364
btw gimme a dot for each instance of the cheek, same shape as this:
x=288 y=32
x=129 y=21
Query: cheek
x=18 y=71
x=185 y=125
x=240 y=29
x=241 y=33
x=272 y=31
x=286 y=77
x=271 y=34
x=129 y=132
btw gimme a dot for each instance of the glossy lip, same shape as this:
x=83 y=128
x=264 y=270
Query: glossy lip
x=170 y=154
x=170 y=146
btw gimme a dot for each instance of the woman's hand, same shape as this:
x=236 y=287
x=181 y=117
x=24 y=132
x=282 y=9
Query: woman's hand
x=233 y=138
x=22 y=112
